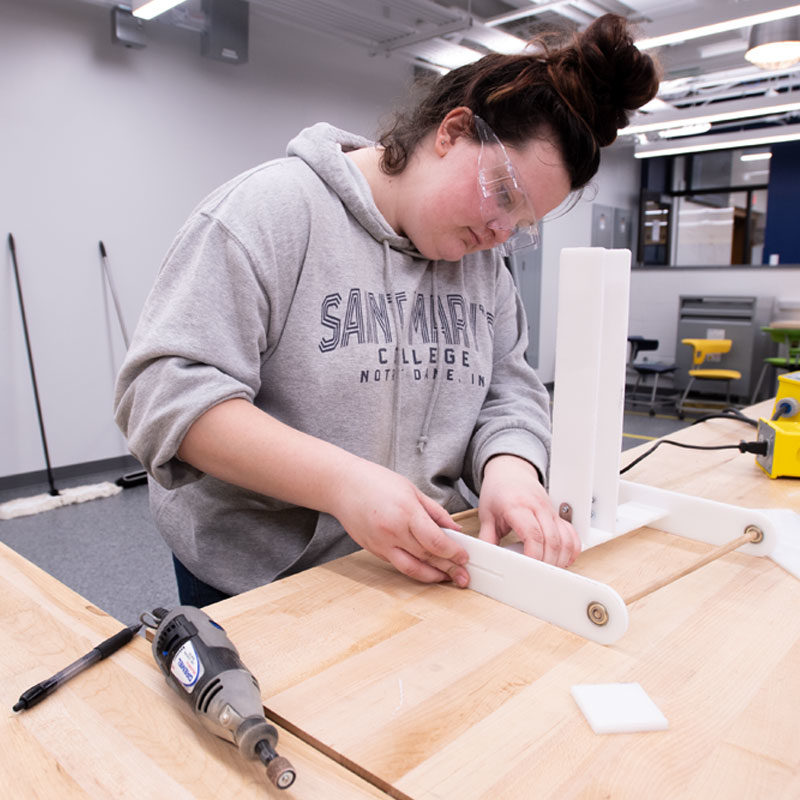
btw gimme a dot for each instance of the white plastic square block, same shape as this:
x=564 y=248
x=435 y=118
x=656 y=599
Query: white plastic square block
x=618 y=708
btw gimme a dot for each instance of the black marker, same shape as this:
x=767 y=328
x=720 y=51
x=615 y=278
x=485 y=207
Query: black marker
x=38 y=693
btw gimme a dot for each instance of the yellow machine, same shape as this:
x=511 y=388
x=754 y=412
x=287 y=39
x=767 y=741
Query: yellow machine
x=782 y=431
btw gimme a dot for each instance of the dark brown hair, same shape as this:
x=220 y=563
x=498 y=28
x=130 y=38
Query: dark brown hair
x=578 y=94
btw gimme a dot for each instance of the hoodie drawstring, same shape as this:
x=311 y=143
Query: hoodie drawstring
x=422 y=440
x=387 y=280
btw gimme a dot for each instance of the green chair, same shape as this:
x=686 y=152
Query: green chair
x=786 y=334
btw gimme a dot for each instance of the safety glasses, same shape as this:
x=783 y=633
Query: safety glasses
x=505 y=207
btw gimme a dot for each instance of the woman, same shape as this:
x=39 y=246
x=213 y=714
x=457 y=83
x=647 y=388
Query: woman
x=333 y=340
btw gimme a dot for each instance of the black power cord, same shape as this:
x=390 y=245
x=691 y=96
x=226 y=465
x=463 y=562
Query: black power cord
x=728 y=413
x=759 y=448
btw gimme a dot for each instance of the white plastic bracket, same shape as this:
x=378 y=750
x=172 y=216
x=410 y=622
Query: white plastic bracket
x=591 y=349
x=554 y=595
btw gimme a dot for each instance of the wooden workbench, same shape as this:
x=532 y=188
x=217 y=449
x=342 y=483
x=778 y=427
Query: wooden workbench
x=432 y=692
x=387 y=685
x=117 y=730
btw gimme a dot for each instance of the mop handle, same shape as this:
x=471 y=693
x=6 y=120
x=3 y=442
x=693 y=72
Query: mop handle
x=12 y=247
x=112 y=288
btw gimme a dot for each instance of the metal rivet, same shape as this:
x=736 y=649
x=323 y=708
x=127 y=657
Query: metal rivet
x=565 y=512
x=755 y=533
x=597 y=613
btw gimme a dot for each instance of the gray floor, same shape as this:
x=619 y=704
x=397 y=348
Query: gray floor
x=109 y=551
x=106 y=550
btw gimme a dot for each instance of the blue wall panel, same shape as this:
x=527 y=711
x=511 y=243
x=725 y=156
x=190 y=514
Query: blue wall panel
x=782 y=235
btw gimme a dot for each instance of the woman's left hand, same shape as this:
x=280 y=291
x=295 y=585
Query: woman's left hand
x=513 y=498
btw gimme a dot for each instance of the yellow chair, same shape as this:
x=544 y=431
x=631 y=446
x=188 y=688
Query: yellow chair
x=701 y=349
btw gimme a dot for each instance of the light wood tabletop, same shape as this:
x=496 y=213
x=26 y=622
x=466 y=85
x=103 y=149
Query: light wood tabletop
x=117 y=730
x=434 y=692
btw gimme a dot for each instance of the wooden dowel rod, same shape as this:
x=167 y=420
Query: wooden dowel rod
x=720 y=551
x=468 y=514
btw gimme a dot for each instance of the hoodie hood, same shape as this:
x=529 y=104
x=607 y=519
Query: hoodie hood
x=322 y=147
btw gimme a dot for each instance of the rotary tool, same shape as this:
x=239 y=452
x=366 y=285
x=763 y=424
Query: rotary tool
x=201 y=663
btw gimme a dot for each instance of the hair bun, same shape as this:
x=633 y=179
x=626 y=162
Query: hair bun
x=576 y=94
x=602 y=76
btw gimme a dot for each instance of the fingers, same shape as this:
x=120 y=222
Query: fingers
x=545 y=536
x=428 y=569
x=438 y=514
x=512 y=497
x=571 y=535
x=488 y=531
x=425 y=528
x=421 y=550
x=403 y=526
x=414 y=568
x=431 y=546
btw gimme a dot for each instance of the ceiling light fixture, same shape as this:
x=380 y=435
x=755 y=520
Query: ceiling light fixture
x=755 y=156
x=656 y=104
x=735 y=109
x=721 y=141
x=686 y=130
x=775 y=45
x=441 y=53
x=496 y=40
x=718 y=27
x=152 y=8
x=523 y=13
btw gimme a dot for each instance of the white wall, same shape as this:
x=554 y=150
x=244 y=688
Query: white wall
x=655 y=297
x=102 y=142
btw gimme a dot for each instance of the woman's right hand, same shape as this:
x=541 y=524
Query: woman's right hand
x=387 y=515
x=381 y=510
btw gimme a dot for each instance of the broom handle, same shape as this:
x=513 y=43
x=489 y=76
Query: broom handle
x=12 y=247
x=113 y=290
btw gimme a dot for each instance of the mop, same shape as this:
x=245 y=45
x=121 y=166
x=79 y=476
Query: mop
x=26 y=506
x=140 y=476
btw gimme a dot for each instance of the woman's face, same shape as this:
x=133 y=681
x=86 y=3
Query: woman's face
x=445 y=219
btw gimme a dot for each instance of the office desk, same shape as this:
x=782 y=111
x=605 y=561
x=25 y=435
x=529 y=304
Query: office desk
x=432 y=692
x=117 y=730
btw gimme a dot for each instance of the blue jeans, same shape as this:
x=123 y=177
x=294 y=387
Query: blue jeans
x=192 y=591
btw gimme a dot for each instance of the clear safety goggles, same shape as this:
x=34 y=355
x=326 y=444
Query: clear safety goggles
x=505 y=207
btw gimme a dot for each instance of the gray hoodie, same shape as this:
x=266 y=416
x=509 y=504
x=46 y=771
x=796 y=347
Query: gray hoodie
x=288 y=288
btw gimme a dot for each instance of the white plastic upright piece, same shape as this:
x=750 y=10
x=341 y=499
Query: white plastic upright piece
x=611 y=387
x=591 y=346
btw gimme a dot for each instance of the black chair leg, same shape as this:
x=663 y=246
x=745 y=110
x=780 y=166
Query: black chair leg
x=754 y=398
x=685 y=394
x=652 y=410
